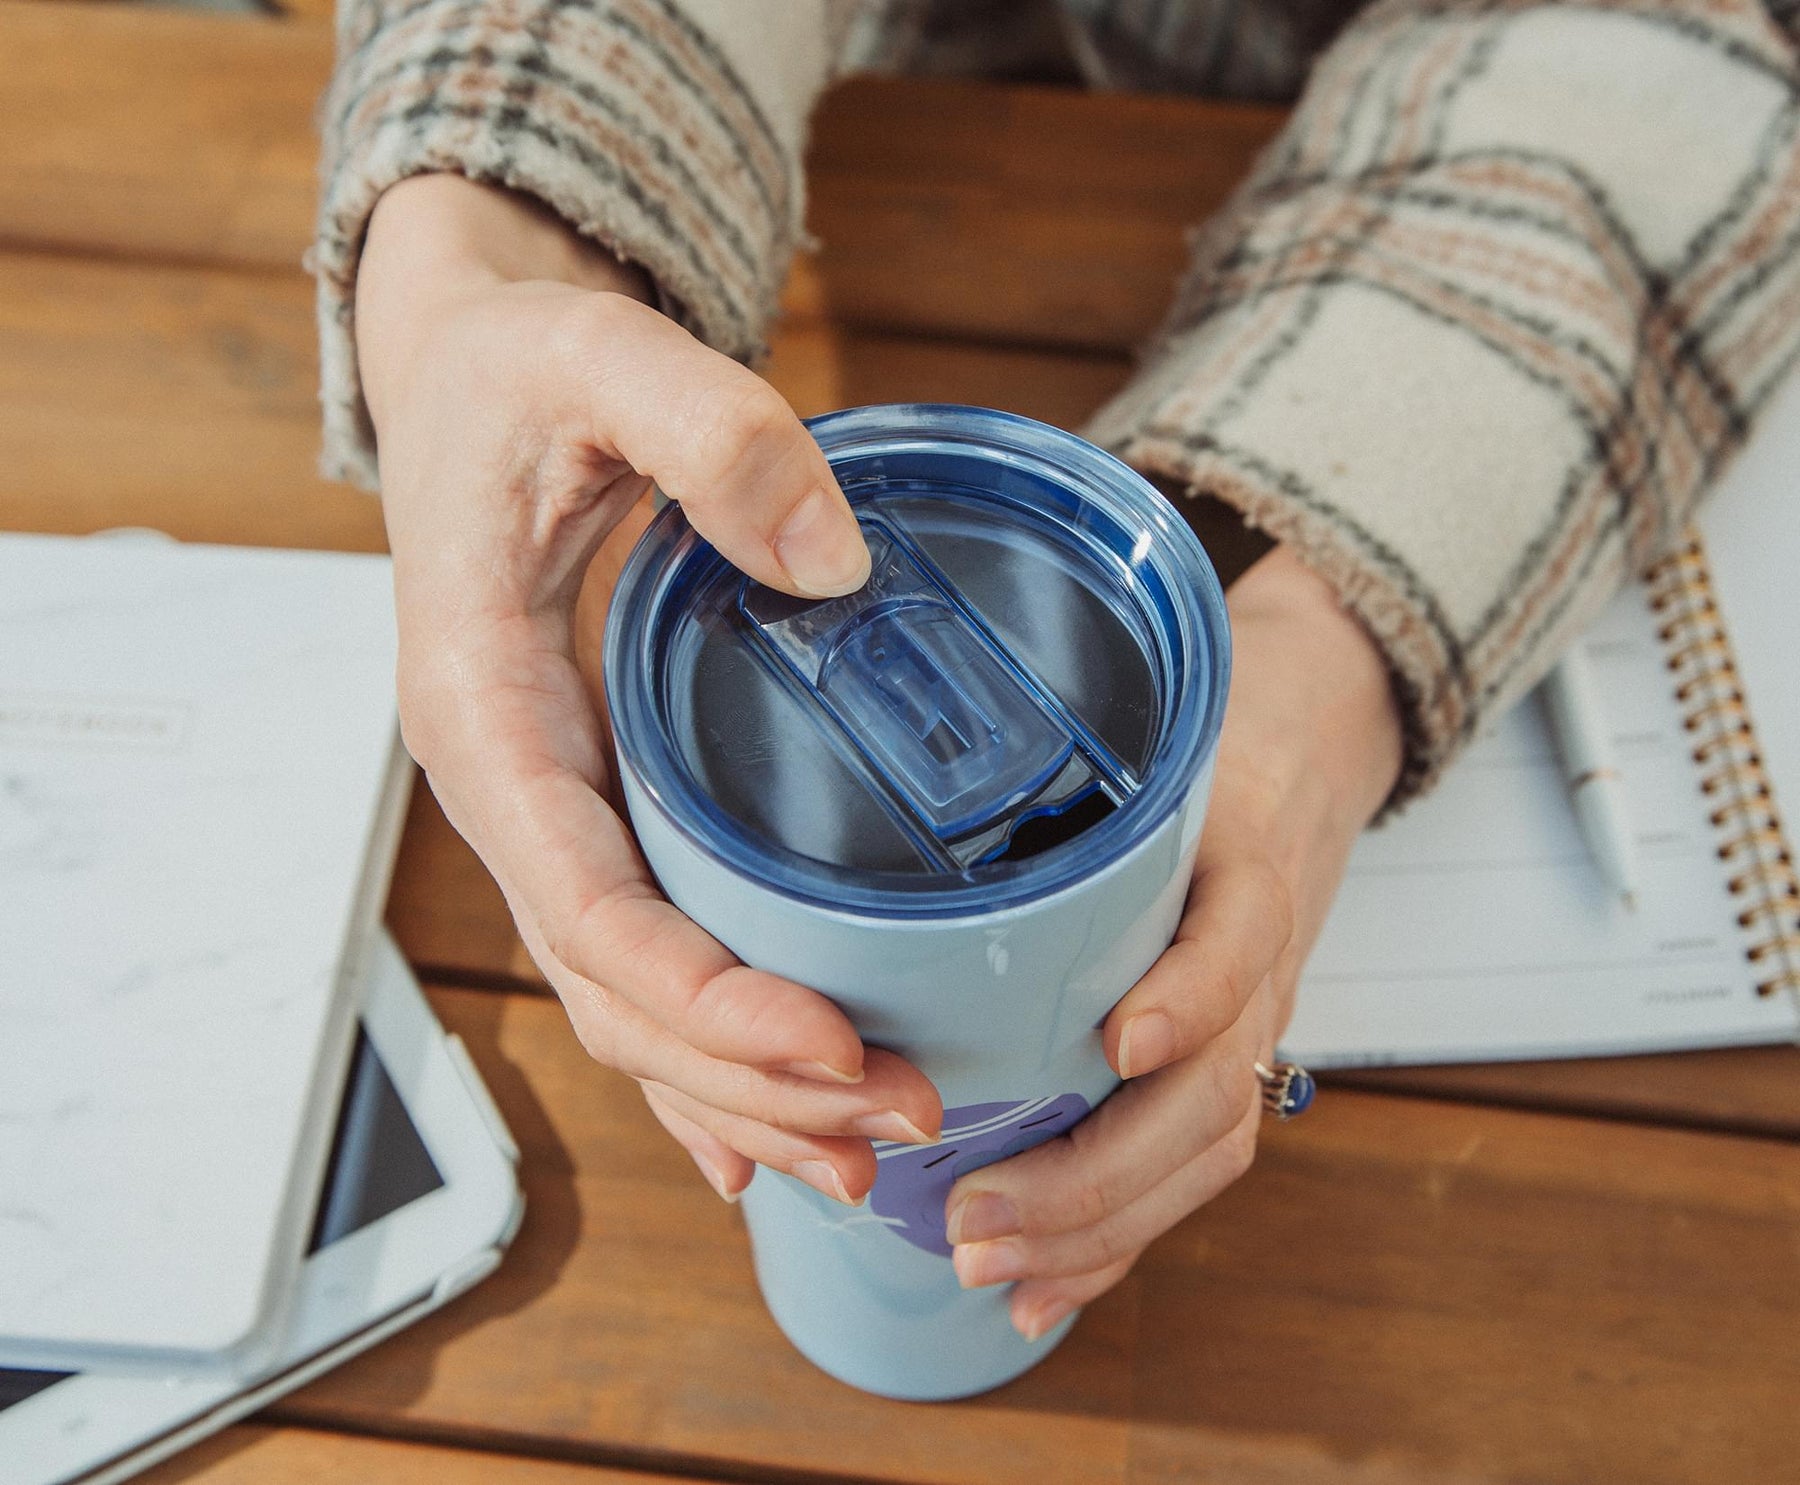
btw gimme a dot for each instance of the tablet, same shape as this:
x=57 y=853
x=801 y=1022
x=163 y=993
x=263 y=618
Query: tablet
x=203 y=739
x=419 y=1201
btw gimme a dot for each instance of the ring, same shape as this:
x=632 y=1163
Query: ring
x=1287 y=1089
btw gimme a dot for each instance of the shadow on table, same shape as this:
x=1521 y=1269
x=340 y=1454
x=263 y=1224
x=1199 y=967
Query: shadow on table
x=400 y=1371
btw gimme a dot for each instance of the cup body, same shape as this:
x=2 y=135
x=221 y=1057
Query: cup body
x=1002 y=1012
x=839 y=793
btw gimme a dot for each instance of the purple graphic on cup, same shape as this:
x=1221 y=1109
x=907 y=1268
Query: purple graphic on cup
x=912 y=1182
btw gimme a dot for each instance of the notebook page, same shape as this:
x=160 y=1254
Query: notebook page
x=1477 y=928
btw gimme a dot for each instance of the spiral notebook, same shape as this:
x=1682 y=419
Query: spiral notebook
x=1476 y=927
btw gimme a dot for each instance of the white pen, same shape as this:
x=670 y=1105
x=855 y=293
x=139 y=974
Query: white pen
x=1595 y=787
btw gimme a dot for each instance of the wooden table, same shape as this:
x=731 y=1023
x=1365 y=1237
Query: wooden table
x=1556 y=1273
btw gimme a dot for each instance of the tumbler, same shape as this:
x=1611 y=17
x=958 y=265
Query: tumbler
x=963 y=802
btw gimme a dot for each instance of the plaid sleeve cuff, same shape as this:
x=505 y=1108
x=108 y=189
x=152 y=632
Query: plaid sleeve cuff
x=1497 y=307
x=669 y=131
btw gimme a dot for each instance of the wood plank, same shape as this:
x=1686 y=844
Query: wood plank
x=1401 y=1291
x=165 y=397
x=256 y=1454
x=1036 y=215
x=1752 y=1090
x=819 y=365
x=162 y=132
x=1018 y=213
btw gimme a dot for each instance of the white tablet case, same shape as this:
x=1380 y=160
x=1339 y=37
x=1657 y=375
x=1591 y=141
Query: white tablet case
x=357 y=1291
x=200 y=796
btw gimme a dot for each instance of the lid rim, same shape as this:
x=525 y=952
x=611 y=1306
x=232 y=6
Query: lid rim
x=1190 y=620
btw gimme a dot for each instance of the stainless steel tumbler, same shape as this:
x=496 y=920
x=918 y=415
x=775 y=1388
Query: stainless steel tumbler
x=963 y=802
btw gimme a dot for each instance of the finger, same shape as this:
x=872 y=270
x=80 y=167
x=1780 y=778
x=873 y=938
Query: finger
x=505 y=732
x=1238 y=922
x=726 y=1171
x=1120 y=1235
x=653 y=958
x=893 y=1100
x=1140 y=1137
x=1038 y=1306
x=724 y=443
x=843 y=1169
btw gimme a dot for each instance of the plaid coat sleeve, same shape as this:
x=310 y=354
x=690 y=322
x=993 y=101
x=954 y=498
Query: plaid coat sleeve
x=671 y=130
x=1495 y=309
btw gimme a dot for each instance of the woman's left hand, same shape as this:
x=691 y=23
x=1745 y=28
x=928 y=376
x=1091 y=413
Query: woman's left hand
x=1310 y=748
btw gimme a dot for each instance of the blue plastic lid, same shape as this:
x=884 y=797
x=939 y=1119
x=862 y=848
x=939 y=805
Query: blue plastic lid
x=1028 y=684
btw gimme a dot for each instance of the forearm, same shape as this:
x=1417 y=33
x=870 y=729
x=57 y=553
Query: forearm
x=1326 y=721
x=1496 y=308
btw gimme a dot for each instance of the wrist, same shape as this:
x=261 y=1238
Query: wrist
x=436 y=240
x=1313 y=696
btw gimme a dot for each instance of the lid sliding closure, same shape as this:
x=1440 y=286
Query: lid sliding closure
x=947 y=725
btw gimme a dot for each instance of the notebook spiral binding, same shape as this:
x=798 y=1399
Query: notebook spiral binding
x=1752 y=843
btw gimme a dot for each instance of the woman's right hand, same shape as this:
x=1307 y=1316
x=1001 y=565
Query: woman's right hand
x=525 y=400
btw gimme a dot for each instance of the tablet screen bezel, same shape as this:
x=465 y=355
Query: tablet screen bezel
x=414 y=1258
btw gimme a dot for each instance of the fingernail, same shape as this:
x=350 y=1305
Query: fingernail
x=982 y=1215
x=893 y=1125
x=823 y=1176
x=822 y=548
x=1045 y=1318
x=1146 y=1043
x=988 y=1263
x=715 y=1177
x=822 y=1073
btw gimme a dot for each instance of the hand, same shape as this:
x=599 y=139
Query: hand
x=1310 y=749
x=525 y=400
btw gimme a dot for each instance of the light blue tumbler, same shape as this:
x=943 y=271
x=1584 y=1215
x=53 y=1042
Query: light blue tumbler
x=963 y=802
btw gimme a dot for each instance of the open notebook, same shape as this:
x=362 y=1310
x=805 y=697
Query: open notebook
x=1477 y=928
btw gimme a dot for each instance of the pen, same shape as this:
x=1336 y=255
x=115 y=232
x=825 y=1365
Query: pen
x=1595 y=787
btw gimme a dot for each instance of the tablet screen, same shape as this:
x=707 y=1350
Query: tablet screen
x=378 y=1165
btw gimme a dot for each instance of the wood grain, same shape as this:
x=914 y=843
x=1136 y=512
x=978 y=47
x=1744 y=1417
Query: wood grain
x=1401 y=1291
x=1750 y=1090
x=820 y=365
x=1017 y=213
x=1036 y=215
x=256 y=1454
x=169 y=397
x=320 y=11
x=151 y=131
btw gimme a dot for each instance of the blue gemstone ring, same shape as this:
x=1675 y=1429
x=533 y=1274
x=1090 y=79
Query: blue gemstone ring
x=1287 y=1089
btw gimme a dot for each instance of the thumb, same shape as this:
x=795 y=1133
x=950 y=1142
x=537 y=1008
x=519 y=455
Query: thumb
x=725 y=444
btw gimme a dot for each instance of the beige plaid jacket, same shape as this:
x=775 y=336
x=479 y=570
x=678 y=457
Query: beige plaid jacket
x=1492 y=313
